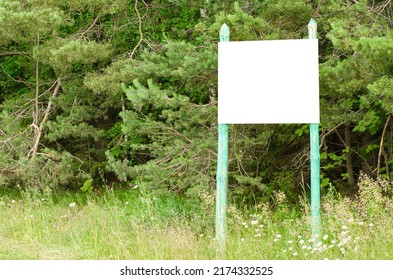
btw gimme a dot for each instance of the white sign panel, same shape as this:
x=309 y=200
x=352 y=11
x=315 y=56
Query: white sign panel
x=268 y=82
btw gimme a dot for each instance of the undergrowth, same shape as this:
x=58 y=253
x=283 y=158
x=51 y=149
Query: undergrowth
x=134 y=224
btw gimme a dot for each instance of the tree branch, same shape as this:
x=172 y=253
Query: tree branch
x=39 y=128
x=139 y=28
x=12 y=53
x=381 y=149
x=91 y=25
x=324 y=135
x=37 y=88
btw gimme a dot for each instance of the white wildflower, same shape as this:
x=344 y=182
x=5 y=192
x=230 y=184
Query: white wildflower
x=254 y=222
x=344 y=233
x=325 y=237
x=73 y=204
x=320 y=249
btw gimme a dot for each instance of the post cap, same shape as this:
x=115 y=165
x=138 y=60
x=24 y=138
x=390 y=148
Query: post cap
x=312 y=29
x=311 y=23
x=224 y=33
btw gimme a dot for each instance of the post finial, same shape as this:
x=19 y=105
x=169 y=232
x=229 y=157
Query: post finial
x=224 y=33
x=312 y=29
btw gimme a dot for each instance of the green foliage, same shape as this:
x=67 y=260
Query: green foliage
x=63 y=54
x=21 y=22
x=178 y=149
x=43 y=72
x=88 y=186
x=137 y=224
x=150 y=119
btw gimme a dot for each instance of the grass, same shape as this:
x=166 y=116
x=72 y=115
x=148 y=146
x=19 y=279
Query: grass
x=136 y=225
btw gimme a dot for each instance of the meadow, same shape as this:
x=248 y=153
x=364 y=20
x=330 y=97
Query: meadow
x=135 y=224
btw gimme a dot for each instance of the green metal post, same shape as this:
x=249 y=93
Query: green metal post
x=315 y=162
x=222 y=169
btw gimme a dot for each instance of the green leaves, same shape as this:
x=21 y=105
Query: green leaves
x=152 y=118
x=62 y=55
x=173 y=131
x=381 y=92
x=87 y=186
x=23 y=22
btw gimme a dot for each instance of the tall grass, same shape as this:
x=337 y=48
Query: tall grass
x=137 y=225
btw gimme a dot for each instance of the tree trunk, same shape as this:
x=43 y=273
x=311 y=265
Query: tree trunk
x=367 y=162
x=38 y=128
x=382 y=151
x=350 y=172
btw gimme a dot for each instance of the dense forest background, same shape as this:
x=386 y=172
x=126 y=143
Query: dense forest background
x=119 y=93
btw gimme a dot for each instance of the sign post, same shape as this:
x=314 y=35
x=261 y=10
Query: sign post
x=315 y=162
x=222 y=169
x=270 y=82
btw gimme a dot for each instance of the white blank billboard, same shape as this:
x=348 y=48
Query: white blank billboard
x=268 y=82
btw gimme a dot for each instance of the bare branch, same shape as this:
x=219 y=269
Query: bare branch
x=37 y=88
x=2 y=54
x=326 y=134
x=381 y=149
x=39 y=128
x=139 y=28
x=91 y=25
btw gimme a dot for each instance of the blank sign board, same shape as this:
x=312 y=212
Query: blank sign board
x=268 y=82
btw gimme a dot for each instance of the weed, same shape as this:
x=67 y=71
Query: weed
x=135 y=224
